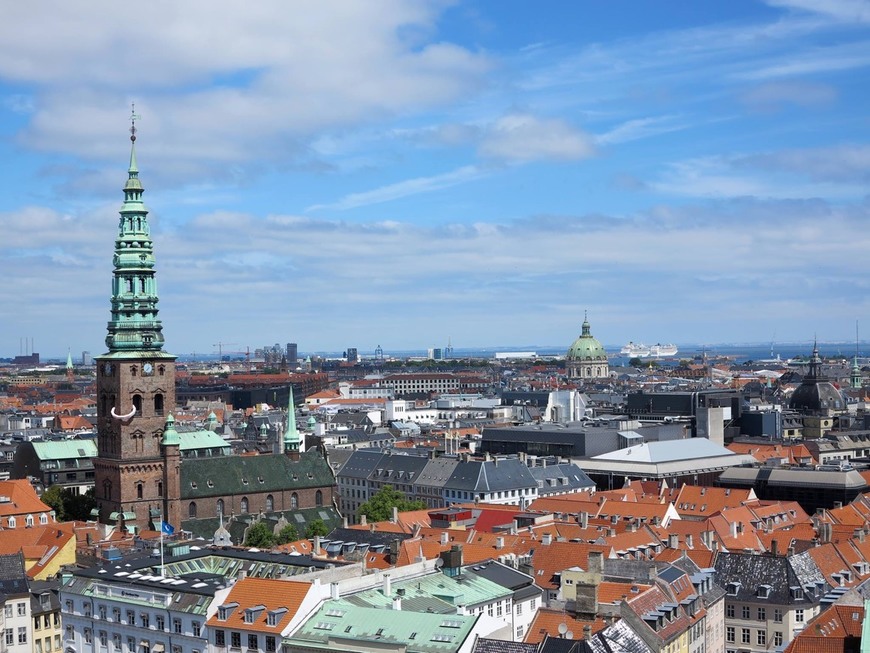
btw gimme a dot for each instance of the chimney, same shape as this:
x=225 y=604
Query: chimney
x=316 y=549
x=445 y=536
x=587 y=632
x=790 y=551
x=397 y=603
x=344 y=522
x=387 y=587
x=547 y=539
x=499 y=542
x=363 y=520
x=395 y=517
x=673 y=540
x=825 y=532
x=584 y=519
x=595 y=562
x=334 y=591
x=614 y=519
x=734 y=529
x=838 y=504
x=774 y=547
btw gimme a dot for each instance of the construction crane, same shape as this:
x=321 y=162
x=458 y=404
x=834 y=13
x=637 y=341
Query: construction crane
x=220 y=346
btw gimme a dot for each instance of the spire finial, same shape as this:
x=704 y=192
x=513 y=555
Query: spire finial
x=133 y=119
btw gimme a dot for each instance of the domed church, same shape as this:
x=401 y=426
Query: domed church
x=586 y=358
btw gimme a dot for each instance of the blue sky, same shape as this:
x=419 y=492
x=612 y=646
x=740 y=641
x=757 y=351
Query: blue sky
x=351 y=174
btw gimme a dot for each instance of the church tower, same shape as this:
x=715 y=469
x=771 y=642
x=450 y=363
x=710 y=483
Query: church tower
x=135 y=380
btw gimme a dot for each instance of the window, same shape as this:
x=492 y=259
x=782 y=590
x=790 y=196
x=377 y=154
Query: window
x=729 y=610
x=131 y=617
x=160 y=622
x=777 y=615
x=744 y=635
x=139 y=490
x=196 y=627
x=7 y=609
x=191 y=510
x=777 y=638
x=159 y=488
x=101 y=609
x=22 y=634
x=762 y=614
x=220 y=507
x=146 y=620
x=745 y=612
x=294 y=501
x=270 y=644
x=270 y=503
x=730 y=635
x=39 y=646
x=318 y=498
x=252 y=641
x=116 y=641
x=158 y=404
x=220 y=638
x=761 y=637
x=69 y=633
x=10 y=635
x=116 y=614
x=89 y=638
x=46 y=621
x=244 y=506
x=799 y=615
x=36 y=623
x=86 y=609
x=176 y=626
x=104 y=638
x=236 y=639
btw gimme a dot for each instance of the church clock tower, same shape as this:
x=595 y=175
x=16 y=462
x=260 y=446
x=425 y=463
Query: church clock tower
x=135 y=382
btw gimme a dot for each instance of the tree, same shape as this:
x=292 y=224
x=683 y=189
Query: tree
x=54 y=499
x=380 y=506
x=287 y=534
x=79 y=506
x=316 y=527
x=635 y=362
x=260 y=536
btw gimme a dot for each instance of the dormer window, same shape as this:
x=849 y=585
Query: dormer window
x=251 y=614
x=226 y=610
x=273 y=617
x=733 y=588
x=796 y=592
x=763 y=591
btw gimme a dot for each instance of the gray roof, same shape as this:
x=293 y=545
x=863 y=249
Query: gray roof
x=491 y=476
x=398 y=468
x=360 y=464
x=437 y=472
x=13 y=579
x=486 y=645
x=795 y=477
x=577 y=478
x=741 y=574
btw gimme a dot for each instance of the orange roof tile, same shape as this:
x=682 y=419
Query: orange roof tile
x=270 y=593
x=547 y=622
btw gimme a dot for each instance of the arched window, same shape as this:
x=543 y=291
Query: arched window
x=191 y=510
x=28 y=521
x=220 y=507
x=244 y=505
x=318 y=498
x=294 y=501
x=132 y=370
x=270 y=503
x=139 y=490
x=103 y=405
x=159 y=488
x=158 y=404
x=12 y=522
x=137 y=403
x=107 y=489
x=43 y=519
x=160 y=370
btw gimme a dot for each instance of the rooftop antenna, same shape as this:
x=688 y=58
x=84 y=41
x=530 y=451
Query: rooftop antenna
x=133 y=118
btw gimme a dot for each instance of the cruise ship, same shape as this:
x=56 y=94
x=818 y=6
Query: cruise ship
x=639 y=350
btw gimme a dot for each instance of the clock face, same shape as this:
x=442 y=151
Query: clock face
x=107 y=369
x=147 y=368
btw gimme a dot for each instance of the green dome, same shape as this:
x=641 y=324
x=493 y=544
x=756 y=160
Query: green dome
x=586 y=348
x=170 y=435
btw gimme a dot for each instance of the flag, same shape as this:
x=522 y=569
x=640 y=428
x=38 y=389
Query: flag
x=166 y=528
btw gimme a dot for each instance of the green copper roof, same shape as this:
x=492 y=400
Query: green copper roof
x=170 y=435
x=134 y=326
x=69 y=363
x=586 y=347
x=65 y=449
x=292 y=439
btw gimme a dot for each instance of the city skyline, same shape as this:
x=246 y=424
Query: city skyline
x=400 y=173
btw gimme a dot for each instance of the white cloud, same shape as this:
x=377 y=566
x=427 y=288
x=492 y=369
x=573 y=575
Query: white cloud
x=847 y=11
x=776 y=95
x=638 y=128
x=402 y=189
x=521 y=138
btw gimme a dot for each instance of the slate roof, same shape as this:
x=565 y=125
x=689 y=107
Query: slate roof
x=359 y=465
x=491 y=476
x=779 y=573
x=233 y=475
x=485 y=645
x=13 y=580
x=577 y=478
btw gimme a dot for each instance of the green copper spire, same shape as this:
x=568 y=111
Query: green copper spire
x=69 y=363
x=292 y=439
x=134 y=326
x=170 y=435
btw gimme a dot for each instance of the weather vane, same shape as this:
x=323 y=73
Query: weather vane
x=133 y=118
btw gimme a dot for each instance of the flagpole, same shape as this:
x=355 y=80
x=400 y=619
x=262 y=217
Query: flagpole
x=162 y=572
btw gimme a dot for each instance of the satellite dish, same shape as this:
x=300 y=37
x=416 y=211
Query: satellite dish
x=569 y=634
x=563 y=628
